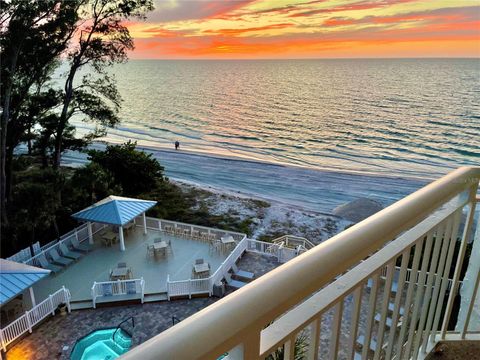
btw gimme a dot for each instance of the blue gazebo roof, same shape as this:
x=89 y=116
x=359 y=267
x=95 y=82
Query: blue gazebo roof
x=15 y=278
x=114 y=210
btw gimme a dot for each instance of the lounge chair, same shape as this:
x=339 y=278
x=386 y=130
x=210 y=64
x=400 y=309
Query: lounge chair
x=85 y=247
x=46 y=265
x=60 y=260
x=242 y=273
x=233 y=283
x=69 y=253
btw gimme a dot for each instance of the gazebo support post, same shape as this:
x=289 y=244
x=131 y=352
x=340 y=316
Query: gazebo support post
x=90 y=236
x=144 y=224
x=32 y=296
x=122 y=242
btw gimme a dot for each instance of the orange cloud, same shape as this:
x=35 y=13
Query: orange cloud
x=235 y=32
x=258 y=29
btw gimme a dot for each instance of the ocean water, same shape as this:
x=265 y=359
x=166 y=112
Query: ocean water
x=317 y=120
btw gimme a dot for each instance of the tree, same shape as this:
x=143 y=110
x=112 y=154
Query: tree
x=102 y=41
x=92 y=183
x=32 y=35
x=135 y=171
x=36 y=201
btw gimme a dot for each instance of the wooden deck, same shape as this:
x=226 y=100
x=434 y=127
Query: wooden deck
x=96 y=265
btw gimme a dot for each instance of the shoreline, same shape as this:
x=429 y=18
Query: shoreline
x=248 y=159
x=309 y=189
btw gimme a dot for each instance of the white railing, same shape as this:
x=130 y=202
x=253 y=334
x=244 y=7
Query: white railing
x=163 y=225
x=80 y=232
x=25 y=254
x=301 y=299
x=292 y=241
x=118 y=290
x=191 y=287
x=278 y=250
x=26 y=322
x=418 y=277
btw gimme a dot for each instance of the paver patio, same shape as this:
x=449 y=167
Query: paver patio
x=48 y=339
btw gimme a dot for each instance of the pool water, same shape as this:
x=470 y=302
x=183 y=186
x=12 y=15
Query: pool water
x=99 y=345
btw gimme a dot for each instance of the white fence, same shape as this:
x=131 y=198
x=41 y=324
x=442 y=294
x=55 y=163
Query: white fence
x=25 y=254
x=80 y=233
x=191 y=287
x=165 y=225
x=33 y=316
x=294 y=242
x=280 y=251
x=119 y=290
x=358 y=315
x=205 y=286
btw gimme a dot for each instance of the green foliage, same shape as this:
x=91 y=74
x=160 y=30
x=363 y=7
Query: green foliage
x=300 y=350
x=135 y=171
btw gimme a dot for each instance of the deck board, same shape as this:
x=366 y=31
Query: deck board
x=96 y=265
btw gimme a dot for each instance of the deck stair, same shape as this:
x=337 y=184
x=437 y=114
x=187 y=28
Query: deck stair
x=294 y=242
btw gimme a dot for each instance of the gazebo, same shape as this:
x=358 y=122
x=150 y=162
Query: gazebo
x=16 y=278
x=117 y=211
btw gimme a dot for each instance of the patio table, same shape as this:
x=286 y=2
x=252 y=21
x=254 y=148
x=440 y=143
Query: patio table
x=201 y=269
x=120 y=273
x=109 y=238
x=227 y=239
x=160 y=246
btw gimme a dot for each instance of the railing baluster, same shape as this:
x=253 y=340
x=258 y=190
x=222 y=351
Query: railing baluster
x=372 y=305
x=398 y=298
x=357 y=303
x=289 y=348
x=315 y=328
x=458 y=267
x=424 y=303
x=384 y=308
x=335 y=339
x=411 y=286
x=444 y=282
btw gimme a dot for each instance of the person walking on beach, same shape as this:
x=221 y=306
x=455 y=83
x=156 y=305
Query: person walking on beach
x=177 y=144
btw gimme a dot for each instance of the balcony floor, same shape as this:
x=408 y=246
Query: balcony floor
x=96 y=265
x=452 y=350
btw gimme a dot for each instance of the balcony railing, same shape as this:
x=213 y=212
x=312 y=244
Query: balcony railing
x=338 y=301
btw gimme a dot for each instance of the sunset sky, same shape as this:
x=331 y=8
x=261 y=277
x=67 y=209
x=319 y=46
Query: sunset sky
x=308 y=29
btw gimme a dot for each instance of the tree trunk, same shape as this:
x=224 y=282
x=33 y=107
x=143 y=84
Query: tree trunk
x=3 y=137
x=8 y=173
x=62 y=122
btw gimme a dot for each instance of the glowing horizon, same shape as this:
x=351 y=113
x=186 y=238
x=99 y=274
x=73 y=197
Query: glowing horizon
x=285 y=29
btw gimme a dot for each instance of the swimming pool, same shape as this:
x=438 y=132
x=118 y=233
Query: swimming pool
x=99 y=345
